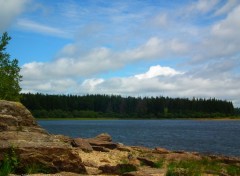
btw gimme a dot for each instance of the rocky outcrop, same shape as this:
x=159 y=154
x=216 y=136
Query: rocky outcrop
x=32 y=144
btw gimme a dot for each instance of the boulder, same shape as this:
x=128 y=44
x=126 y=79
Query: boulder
x=82 y=144
x=32 y=144
x=15 y=114
x=161 y=150
x=146 y=171
x=102 y=140
x=104 y=137
x=118 y=169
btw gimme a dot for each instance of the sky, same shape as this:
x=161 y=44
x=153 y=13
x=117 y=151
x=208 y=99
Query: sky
x=186 y=49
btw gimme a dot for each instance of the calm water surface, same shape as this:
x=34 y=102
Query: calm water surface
x=215 y=137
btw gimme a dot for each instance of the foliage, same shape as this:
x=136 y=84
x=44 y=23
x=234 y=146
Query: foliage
x=184 y=168
x=124 y=168
x=9 y=73
x=95 y=106
x=36 y=168
x=198 y=167
x=233 y=170
x=159 y=163
x=9 y=163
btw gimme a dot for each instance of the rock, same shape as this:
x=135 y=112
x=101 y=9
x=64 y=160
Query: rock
x=15 y=114
x=118 y=169
x=122 y=147
x=161 y=150
x=100 y=149
x=146 y=161
x=146 y=171
x=53 y=159
x=3 y=126
x=93 y=171
x=104 y=137
x=82 y=144
x=102 y=140
x=32 y=144
x=135 y=162
x=89 y=163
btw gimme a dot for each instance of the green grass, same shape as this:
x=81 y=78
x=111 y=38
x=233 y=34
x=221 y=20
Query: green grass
x=10 y=162
x=233 y=170
x=159 y=164
x=5 y=168
x=124 y=168
x=198 y=167
x=36 y=168
x=184 y=168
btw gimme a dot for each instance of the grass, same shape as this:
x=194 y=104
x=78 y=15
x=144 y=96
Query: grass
x=198 y=167
x=10 y=163
x=124 y=168
x=159 y=164
x=36 y=168
x=233 y=170
x=184 y=168
x=5 y=168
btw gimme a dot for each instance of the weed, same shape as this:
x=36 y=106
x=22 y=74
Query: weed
x=36 y=168
x=124 y=168
x=159 y=163
x=233 y=170
x=10 y=163
x=184 y=168
x=210 y=165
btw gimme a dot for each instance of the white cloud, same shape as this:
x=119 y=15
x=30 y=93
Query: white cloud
x=160 y=20
x=203 y=6
x=222 y=39
x=229 y=27
x=157 y=70
x=40 y=28
x=156 y=48
x=227 y=7
x=9 y=10
x=72 y=63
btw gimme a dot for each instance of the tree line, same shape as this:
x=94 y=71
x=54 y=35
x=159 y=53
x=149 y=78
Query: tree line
x=97 y=106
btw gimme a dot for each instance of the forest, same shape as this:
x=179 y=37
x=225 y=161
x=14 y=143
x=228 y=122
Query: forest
x=115 y=106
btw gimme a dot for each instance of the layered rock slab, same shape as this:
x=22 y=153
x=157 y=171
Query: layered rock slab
x=32 y=144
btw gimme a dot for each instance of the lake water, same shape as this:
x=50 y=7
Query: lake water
x=211 y=137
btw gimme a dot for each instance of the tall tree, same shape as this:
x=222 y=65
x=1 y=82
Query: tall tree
x=9 y=73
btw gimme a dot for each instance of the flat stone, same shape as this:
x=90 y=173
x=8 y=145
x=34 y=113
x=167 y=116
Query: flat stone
x=82 y=144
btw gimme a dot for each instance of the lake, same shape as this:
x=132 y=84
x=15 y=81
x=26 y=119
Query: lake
x=204 y=136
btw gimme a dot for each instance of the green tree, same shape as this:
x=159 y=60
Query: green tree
x=9 y=73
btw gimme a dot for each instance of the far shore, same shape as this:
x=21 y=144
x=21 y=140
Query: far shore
x=109 y=118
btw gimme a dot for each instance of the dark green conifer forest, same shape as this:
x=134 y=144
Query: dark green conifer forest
x=114 y=106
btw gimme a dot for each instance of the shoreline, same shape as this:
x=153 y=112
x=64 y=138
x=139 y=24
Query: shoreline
x=108 y=118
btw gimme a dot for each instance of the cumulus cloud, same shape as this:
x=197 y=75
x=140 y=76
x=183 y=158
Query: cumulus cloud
x=98 y=60
x=9 y=10
x=223 y=40
x=157 y=70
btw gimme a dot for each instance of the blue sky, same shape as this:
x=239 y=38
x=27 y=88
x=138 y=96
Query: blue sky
x=186 y=48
